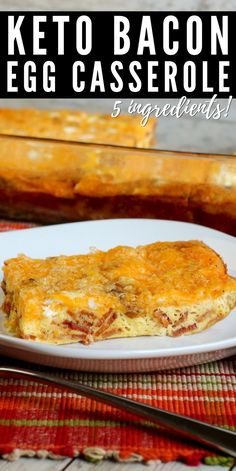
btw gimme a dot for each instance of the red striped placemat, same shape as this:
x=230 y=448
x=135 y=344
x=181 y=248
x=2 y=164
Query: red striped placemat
x=40 y=420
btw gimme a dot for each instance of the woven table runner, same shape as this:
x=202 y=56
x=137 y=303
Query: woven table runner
x=41 y=420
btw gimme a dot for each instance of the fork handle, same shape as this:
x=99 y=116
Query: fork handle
x=215 y=437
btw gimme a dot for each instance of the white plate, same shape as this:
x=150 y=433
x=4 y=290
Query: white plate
x=131 y=354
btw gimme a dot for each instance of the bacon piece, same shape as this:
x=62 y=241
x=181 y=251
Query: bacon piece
x=184 y=330
x=80 y=338
x=74 y=326
x=88 y=327
x=132 y=314
x=114 y=331
x=162 y=317
x=81 y=321
x=107 y=319
x=203 y=316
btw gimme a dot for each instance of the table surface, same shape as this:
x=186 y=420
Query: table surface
x=190 y=134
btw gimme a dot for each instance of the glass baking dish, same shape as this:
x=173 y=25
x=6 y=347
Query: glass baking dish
x=50 y=181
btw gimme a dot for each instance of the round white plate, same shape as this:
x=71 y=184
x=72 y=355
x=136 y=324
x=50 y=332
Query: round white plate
x=131 y=354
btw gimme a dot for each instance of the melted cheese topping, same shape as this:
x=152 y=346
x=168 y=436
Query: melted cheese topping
x=170 y=273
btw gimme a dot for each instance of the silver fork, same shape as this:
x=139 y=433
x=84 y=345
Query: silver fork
x=215 y=437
